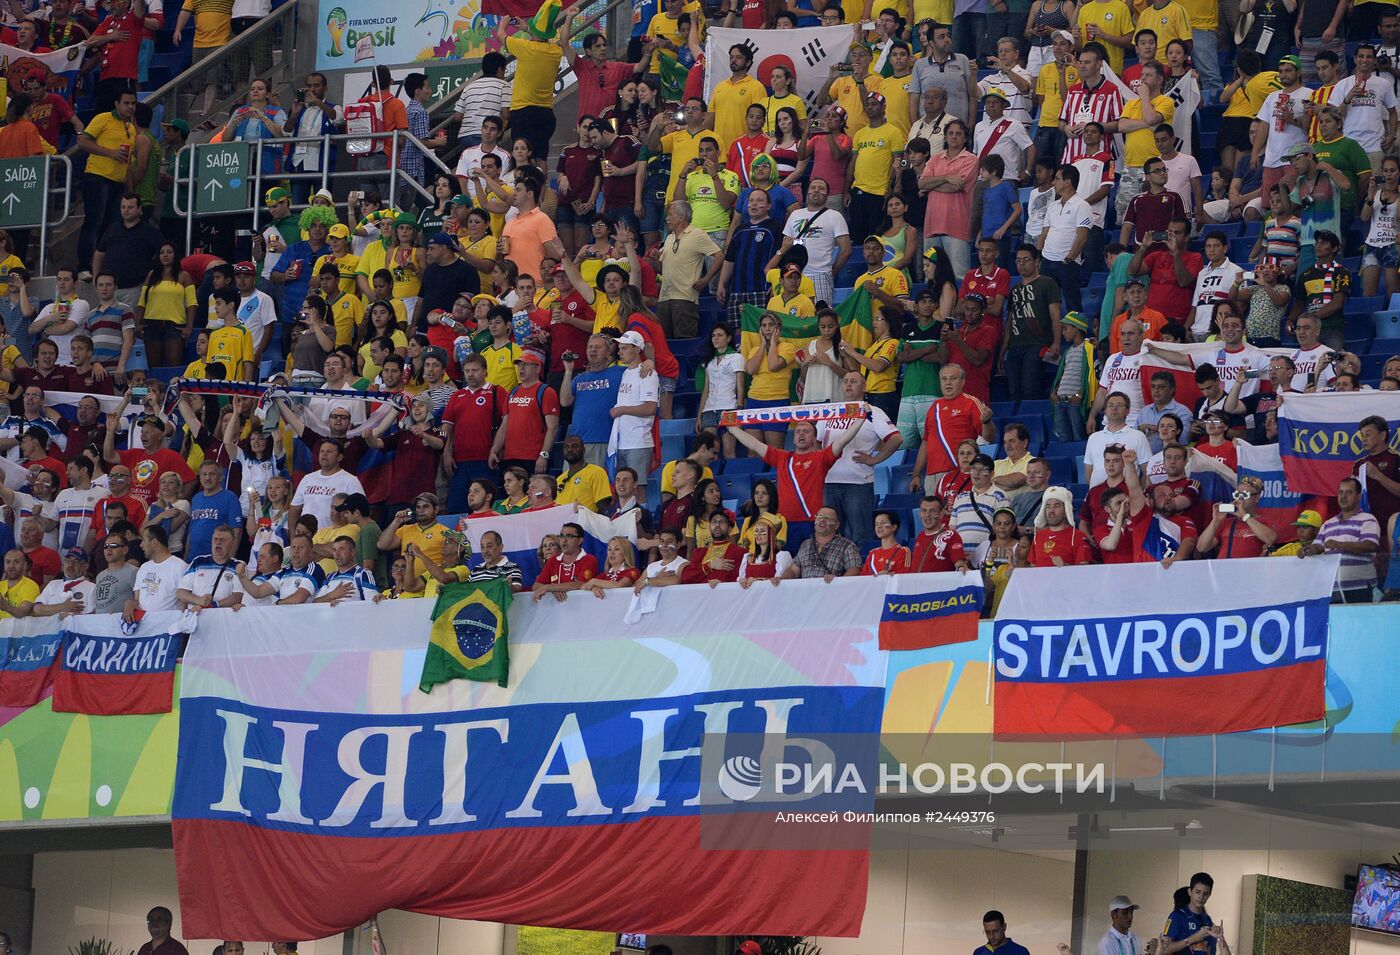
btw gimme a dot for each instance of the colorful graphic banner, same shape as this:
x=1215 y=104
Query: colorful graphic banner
x=930 y=610
x=1249 y=653
x=105 y=671
x=521 y=533
x=437 y=30
x=1317 y=435
x=304 y=734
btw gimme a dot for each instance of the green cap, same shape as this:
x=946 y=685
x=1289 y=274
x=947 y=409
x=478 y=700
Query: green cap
x=179 y=125
x=1076 y=320
x=275 y=195
x=461 y=200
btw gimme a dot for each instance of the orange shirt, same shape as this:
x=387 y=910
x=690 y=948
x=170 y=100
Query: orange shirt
x=22 y=140
x=1154 y=321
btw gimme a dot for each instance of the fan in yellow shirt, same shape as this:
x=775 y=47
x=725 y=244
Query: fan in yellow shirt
x=1108 y=23
x=895 y=88
x=1169 y=20
x=885 y=283
x=733 y=96
x=790 y=300
x=581 y=483
x=1139 y=139
x=345 y=311
x=17 y=592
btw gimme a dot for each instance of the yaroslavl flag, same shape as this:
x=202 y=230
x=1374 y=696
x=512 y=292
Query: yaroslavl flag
x=469 y=639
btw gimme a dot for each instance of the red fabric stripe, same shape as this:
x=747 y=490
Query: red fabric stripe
x=1314 y=475
x=921 y=634
x=110 y=694
x=672 y=876
x=24 y=688
x=1175 y=706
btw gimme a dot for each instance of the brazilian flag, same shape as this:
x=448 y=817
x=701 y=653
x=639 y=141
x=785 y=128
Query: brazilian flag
x=469 y=639
x=854 y=315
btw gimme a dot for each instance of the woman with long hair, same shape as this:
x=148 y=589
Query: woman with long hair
x=766 y=559
x=1001 y=553
x=549 y=547
x=268 y=514
x=619 y=569
x=382 y=290
x=769 y=365
x=898 y=235
x=650 y=102
x=379 y=323
x=706 y=501
x=8 y=258
x=823 y=362
x=416 y=351
x=165 y=309
x=762 y=505
x=782 y=82
x=784 y=145
x=432 y=219
x=1380 y=211
x=513 y=485
x=260 y=119
x=1045 y=19
x=878 y=361
x=625 y=112
x=479 y=246
x=723 y=369
x=405 y=260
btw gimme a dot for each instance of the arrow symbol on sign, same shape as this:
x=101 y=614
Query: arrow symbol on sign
x=213 y=185
x=11 y=200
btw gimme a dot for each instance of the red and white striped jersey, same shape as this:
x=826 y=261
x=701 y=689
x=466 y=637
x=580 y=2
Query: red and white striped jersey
x=1103 y=104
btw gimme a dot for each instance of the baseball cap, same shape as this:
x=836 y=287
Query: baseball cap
x=428 y=496
x=837 y=111
x=1308 y=519
x=461 y=200
x=437 y=353
x=998 y=94
x=76 y=552
x=1135 y=280
x=560 y=270
x=149 y=419
x=1298 y=149
x=442 y=238
x=1297 y=61
x=339 y=231
x=1119 y=902
x=533 y=357
x=792 y=267
x=179 y=125
x=750 y=947
x=932 y=254
x=245 y=268
x=1062 y=35
x=275 y=195
x=983 y=461
x=631 y=338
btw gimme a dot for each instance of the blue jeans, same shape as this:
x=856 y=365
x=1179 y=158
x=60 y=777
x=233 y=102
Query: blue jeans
x=1066 y=276
x=1207 y=63
x=1068 y=421
x=856 y=505
x=1023 y=372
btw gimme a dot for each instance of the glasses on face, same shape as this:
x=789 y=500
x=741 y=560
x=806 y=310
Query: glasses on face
x=577 y=537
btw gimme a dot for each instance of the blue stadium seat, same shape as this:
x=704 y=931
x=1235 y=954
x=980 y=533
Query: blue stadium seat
x=1061 y=471
x=1039 y=431
x=1365 y=304
x=738 y=486
x=1240 y=249
x=840 y=295
x=1371 y=367
x=1003 y=410
x=1252 y=228
x=1386 y=324
x=745 y=465
x=1078 y=492
x=1037 y=406
x=672 y=447
x=677 y=426
x=898 y=502
x=1066 y=449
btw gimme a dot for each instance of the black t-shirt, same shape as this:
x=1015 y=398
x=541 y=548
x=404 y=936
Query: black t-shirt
x=443 y=283
x=127 y=253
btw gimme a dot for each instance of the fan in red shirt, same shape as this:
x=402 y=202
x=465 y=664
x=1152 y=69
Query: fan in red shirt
x=469 y=423
x=148 y=462
x=1093 y=516
x=1242 y=533
x=954 y=418
x=988 y=279
x=719 y=562
x=938 y=547
x=801 y=471
x=658 y=350
x=1057 y=541
x=972 y=345
x=570 y=321
x=531 y=421
x=1172 y=268
x=891 y=557
x=567 y=570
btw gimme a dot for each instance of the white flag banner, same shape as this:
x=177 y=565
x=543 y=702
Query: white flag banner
x=1186 y=99
x=66 y=60
x=809 y=52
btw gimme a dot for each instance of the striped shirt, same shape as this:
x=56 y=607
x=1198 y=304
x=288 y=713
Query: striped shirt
x=972 y=515
x=360 y=580
x=1103 y=104
x=107 y=326
x=308 y=578
x=754 y=243
x=482 y=97
x=506 y=569
x=1357 y=570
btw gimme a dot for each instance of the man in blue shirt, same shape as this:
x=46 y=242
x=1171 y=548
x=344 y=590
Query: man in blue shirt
x=1190 y=929
x=350 y=581
x=212 y=506
x=592 y=394
x=293 y=270
x=994 y=925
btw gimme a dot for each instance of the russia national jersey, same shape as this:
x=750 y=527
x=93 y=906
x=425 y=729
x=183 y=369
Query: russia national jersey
x=360 y=580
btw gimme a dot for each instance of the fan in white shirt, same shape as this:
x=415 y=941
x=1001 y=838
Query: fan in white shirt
x=1213 y=283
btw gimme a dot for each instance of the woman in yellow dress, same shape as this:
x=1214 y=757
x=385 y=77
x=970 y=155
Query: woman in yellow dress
x=404 y=259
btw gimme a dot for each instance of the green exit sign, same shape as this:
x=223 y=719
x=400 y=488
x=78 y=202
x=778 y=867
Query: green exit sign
x=221 y=180
x=22 y=187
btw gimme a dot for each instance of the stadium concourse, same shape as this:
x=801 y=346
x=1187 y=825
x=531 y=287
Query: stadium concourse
x=1067 y=284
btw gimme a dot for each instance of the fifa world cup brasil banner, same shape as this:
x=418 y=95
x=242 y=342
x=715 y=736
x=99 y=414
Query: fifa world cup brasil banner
x=627 y=776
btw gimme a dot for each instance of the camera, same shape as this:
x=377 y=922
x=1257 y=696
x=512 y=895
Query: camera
x=301 y=95
x=678 y=116
x=140 y=392
x=1227 y=508
x=569 y=356
x=1159 y=237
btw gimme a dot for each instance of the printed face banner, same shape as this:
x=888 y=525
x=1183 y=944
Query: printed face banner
x=1247 y=651
x=1318 y=439
x=625 y=778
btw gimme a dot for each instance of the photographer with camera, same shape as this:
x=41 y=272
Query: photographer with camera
x=1234 y=529
x=311 y=115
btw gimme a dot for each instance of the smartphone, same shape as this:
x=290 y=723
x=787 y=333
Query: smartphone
x=1159 y=237
x=140 y=392
x=1227 y=508
x=678 y=116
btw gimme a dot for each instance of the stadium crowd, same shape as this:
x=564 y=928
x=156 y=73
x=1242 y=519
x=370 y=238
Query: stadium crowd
x=1032 y=233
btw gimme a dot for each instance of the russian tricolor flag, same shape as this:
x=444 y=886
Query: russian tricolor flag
x=1317 y=435
x=28 y=651
x=931 y=610
x=104 y=671
x=1249 y=651
x=521 y=533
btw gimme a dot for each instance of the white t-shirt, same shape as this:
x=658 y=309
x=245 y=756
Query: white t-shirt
x=471 y=159
x=1063 y=220
x=1094 y=173
x=1036 y=208
x=316 y=490
x=673 y=566
x=1213 y=284
x=156 y=584
x=847 y=470
x=1279 y=110
x=1306 y=363
x=1011 y=145
x=204 y=576
x=1367 y=111
x=77 y=312
x=257 y=314
x=1182 y=170
x=1020 y=108
x=1231 y=364
x=720 y=376
x=59 y=590
x=1122 y=374
x=631 y=431
x=1130 y=438
x=73 y=509
x=817 y=232
x=291 y=580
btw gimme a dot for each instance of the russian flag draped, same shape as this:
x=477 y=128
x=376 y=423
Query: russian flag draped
x=521 y=533
x=104 y=671
x=1201 y=353
x=1317 y=435
x=28 y=652
x=1250 y=652
x=303 y=735
x=1280 y=506
x=930 y=610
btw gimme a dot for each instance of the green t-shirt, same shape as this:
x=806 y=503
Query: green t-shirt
x=921 y=377
x=1117 y=277
x=1349 y=159
x=708 y=215
x=367 y=553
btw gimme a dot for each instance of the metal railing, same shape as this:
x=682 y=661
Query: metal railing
x=48 y=218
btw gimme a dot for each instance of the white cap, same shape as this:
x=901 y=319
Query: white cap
x=1060 y=494
x=1063 y=35
x=632 y=338
x=1120 y=901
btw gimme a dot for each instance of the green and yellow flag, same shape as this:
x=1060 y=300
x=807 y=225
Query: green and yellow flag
x=469 y=639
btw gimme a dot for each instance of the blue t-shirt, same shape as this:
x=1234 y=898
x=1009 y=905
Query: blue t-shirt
x=1183 y=923
x=595 y=393
x=781 y=198
x=1007 y=947
x=997 y=203
x=1251 y=177
x=294 y=289
x=208 y=511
